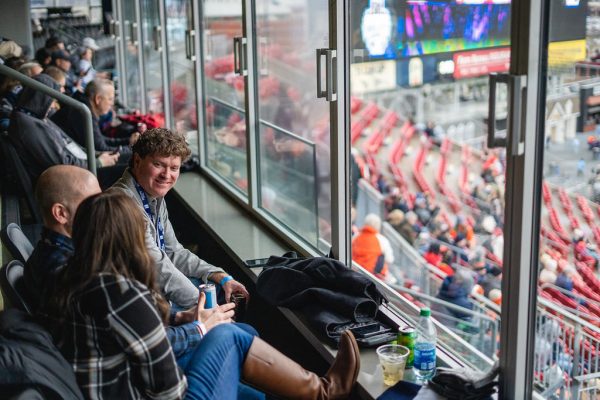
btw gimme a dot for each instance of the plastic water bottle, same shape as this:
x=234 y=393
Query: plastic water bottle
x=425 y=346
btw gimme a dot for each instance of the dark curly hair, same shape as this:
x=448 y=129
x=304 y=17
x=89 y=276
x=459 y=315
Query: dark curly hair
x=162 y=142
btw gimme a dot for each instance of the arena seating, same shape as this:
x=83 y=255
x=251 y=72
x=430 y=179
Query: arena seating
x=559 y=221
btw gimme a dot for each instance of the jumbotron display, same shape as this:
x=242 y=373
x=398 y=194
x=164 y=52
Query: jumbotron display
x=399 y=29
x=442 y=27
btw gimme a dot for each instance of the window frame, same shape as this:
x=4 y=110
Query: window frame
x=523 y=174
x=523 y=201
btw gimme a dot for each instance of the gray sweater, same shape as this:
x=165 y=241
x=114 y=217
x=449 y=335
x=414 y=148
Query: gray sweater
x=175 y=263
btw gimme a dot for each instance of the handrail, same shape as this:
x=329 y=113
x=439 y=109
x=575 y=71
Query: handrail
x=560 y=310
x=82 y=108
x=413 y=308
x=490 y=305
x=569 y=293
x=444 y=303
x=476 y=315
x=575 y=311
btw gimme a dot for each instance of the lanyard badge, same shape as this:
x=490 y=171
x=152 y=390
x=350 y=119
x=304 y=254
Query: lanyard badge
x=160 y=237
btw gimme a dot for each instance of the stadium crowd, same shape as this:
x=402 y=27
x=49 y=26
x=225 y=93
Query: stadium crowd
x=109 y=279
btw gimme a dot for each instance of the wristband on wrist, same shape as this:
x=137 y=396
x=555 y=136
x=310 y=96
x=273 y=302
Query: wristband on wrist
x=225 y=280
x=201 y=327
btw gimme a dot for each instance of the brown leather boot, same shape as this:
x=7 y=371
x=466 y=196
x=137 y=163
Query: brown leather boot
x=272 y=372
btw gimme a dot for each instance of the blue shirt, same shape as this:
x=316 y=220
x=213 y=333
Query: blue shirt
x=183 y=337
x=51 y=253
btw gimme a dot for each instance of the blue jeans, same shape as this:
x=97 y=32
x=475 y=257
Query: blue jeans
x=213 y=369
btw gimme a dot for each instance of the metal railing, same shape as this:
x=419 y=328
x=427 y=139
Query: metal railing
x=82 y=108
x=458 y=251
x=567 y=353
x=580 y=300
x=368 y=201
x=409 y=264
x=476 y=328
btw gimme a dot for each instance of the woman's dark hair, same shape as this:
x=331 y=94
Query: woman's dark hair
x=108 y=237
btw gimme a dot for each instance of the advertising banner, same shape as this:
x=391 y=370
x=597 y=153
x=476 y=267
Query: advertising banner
x=470 y=64
x=375 y=76
x=566 y=53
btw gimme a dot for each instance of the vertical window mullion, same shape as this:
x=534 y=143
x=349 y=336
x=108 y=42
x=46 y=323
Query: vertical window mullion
x=251 y=88
x=339 y=39
x=169 y=118
x=521 y=230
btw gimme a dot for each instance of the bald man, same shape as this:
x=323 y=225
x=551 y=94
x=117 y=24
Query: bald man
x=59 y=191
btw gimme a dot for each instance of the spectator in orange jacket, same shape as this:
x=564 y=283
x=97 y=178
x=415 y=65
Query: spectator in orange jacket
x=371 y=250
x=433 y=255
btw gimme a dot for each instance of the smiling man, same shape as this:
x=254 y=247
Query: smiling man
x=153 y=171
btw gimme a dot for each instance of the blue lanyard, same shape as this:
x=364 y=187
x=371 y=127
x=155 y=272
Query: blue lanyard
x=59 y=241
x=160 y=236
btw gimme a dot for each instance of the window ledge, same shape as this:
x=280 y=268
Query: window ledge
x=243 y=238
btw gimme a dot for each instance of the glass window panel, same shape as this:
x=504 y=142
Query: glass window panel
x=151 y=48
x=566 y=355
x=182 y=80
x=227 y=141
x=225 y=116
x=287 y=35
x=287 y=158
x=419 y=99
x=132 y=72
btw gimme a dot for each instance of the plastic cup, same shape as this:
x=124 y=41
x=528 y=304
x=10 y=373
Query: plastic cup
x=392 y=358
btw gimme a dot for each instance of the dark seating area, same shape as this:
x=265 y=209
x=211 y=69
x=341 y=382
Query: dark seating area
x=13 y=287
x=73 y=29
x=18 y=245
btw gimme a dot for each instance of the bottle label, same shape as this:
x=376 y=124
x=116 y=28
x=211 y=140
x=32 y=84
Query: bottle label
x=425 y=356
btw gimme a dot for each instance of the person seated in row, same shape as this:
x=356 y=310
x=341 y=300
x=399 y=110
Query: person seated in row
x=41 y=143
x=153 y=170
x=373 y=251
x=59 y=191
x=99 y=97
x=86 y=69
x=9 y=92
x=107 y=318
x=63 y=60
x=31 y=68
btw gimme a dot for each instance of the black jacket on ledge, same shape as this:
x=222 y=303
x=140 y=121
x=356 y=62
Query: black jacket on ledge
x=329 y=294
x=30 y=362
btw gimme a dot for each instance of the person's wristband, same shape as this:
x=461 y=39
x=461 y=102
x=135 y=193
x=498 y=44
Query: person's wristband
x=225 y=280
x=201 y=327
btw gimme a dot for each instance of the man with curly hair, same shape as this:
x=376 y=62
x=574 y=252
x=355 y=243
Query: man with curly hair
x=153 y=170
